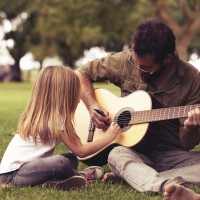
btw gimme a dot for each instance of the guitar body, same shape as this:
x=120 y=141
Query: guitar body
x=119 y=108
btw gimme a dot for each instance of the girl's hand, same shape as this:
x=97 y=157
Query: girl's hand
x=113 y=131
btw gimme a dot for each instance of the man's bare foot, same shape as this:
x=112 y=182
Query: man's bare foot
x=110 y=176
x=179 y=192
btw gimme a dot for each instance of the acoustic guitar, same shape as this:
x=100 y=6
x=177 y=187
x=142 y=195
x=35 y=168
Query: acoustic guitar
x=133 y=114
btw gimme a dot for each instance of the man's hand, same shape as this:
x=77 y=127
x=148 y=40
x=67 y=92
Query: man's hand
x=193 y=121
x=99 y=120
x=189 y=133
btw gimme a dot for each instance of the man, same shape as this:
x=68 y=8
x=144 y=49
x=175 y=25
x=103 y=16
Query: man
x=152 y=65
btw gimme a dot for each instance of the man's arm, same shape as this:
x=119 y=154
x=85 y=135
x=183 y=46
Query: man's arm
x=88 y=98
x=190 y=132
x=87 y=93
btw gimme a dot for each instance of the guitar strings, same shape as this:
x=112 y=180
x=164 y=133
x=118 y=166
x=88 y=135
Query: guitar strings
x=157 y=114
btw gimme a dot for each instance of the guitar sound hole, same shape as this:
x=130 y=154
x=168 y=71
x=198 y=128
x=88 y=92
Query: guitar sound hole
x=124 y=119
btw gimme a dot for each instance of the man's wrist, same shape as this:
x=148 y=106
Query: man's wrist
x=190 y=130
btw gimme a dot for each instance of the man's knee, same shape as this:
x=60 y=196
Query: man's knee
x=116 y=152
x=121 y=153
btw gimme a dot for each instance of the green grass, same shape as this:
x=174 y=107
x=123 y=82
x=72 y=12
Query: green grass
x=13 y=98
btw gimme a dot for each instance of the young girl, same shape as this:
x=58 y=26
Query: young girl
x=46 y=121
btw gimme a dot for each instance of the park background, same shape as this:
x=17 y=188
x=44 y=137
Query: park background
x=38 y=33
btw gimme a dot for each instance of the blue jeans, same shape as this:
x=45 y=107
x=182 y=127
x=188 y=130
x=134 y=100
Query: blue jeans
x=42 y=170
x=153 y=170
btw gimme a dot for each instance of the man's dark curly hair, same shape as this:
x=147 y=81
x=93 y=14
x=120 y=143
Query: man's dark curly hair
x=153 y=36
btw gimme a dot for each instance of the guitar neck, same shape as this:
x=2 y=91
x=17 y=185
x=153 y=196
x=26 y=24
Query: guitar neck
x=140 y=117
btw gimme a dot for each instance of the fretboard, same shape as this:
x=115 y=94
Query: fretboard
x=145 y=116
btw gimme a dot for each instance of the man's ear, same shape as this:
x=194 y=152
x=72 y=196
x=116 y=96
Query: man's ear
x=168 y=58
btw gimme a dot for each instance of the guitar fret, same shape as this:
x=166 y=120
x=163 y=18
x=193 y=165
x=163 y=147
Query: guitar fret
x=168 y=114
x=184 y=111
x=146 y=116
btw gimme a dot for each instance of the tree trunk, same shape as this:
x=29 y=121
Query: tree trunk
x=186 y=32
x=16 y=72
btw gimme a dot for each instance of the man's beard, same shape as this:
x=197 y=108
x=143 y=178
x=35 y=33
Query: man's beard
x=146 y=77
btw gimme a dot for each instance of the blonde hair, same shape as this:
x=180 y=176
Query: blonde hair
x=52 y=104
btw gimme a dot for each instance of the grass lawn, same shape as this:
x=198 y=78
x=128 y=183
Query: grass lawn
x=13 y=98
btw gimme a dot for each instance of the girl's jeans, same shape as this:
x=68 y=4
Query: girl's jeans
x=153 y=170
x=42 y=170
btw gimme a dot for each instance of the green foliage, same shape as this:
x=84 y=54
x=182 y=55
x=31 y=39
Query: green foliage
x=67 y=28
x=73 y=26
x=194 y=5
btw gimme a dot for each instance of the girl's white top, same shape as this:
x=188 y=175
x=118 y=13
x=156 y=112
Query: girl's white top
x=20 y=151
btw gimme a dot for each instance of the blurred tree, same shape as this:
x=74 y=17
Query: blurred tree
x=14 y=13
x=66 y=28
x=69 y=27
x=183 y=17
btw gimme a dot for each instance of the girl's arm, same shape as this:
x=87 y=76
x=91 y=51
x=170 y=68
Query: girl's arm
x=92 y=147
